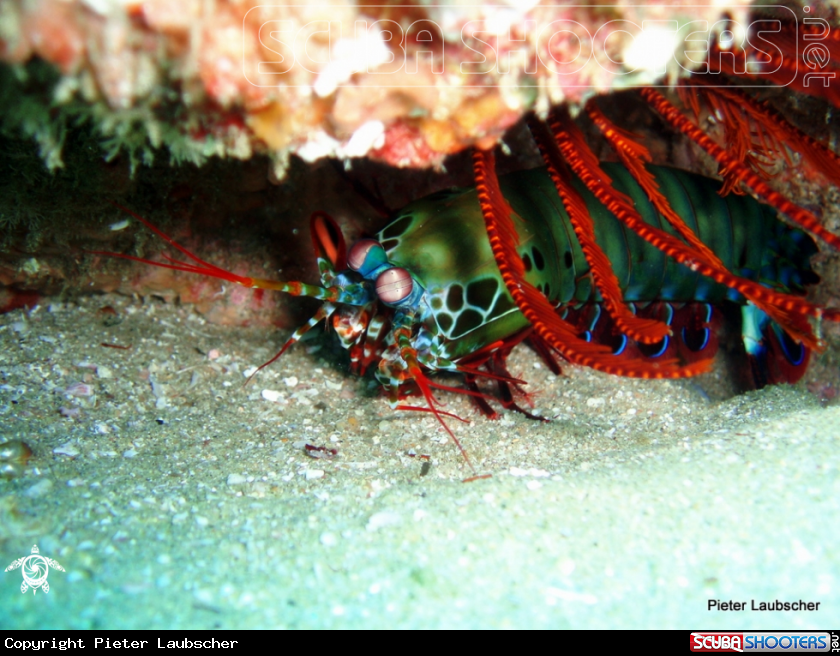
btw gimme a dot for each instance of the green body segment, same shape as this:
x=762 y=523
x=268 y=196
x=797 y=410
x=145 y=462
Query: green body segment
x=442 y=240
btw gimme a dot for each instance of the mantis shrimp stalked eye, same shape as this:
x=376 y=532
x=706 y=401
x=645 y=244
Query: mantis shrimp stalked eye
x=366 y=256
x=394 y=285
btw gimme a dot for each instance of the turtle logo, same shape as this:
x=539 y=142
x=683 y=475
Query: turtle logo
x=35 y=569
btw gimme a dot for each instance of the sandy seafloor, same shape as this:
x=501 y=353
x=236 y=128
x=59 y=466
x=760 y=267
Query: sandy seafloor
x=175 y=497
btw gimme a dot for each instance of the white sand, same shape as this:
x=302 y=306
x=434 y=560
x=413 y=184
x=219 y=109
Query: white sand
x=179 y=499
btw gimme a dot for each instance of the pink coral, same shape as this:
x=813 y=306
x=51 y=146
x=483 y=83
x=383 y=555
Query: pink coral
x=304 y=79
